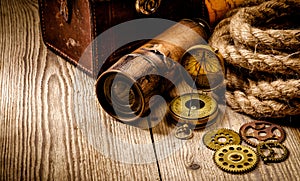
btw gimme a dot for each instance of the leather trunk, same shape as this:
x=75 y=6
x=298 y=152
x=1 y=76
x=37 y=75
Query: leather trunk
x=69 y=26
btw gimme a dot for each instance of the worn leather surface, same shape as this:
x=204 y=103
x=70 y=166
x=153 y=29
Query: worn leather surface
x=68 y=39
x=89 y=18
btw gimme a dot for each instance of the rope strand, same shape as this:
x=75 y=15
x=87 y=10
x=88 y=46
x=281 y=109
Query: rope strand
x=243 y=103
x=265 y=51
x=263 y=89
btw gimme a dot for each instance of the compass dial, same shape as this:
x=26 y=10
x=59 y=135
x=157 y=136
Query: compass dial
x=193 y=108
x=204 y=66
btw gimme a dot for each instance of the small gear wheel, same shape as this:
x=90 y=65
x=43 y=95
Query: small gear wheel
x=216 y=139
x=257 y=132
x=272 y=152
x=236 y=158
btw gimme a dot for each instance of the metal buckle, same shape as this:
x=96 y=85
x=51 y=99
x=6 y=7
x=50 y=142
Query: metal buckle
x=147 y=7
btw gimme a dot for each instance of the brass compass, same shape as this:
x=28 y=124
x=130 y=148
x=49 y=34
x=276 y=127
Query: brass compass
x=194 y=109
x=205 y=67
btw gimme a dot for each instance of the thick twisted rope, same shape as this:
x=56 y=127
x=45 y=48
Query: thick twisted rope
x=269 y=84
x=279 y=89
x=250 y=105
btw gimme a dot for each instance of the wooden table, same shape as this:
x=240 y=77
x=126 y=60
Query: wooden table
x=49 y=112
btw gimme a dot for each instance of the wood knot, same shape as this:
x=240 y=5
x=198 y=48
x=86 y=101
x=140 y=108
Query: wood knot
x=193 y=166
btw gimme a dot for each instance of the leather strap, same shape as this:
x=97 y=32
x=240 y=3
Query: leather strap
x=65 y=9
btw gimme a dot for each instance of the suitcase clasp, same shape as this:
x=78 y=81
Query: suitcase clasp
x=147 y=7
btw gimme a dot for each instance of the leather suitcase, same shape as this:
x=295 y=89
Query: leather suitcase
x=69 y=26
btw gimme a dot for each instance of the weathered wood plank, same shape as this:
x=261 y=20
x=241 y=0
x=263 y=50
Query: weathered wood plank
x=177 y=166
x=52 y=127
x=46 y=105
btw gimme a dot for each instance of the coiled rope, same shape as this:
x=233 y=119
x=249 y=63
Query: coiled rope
x=261 y=47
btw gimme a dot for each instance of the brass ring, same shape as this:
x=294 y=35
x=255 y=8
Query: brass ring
x=183 y=132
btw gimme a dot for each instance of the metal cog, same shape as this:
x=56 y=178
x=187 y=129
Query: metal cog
x=216 y=139
x=236 y=159
x=272 y=152
x=257 y=132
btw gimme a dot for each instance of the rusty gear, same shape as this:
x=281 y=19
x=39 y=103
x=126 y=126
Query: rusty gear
x=272 y=152
x=216 y=139
x=236 y=158
x=257 y=132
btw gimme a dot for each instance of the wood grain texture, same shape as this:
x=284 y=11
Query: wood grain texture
x=46 y=104
x=177 y=166
x=52 y=127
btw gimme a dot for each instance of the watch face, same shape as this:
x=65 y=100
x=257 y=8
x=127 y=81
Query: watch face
x=204 y=66
x=193 y=108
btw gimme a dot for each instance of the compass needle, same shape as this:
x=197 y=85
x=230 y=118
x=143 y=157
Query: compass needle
x=198 y=109
x=194 y=109
x=210 y=75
